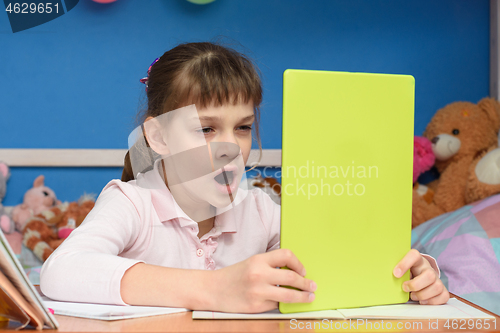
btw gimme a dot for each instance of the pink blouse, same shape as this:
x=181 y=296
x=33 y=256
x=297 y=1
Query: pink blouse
x=131 y=224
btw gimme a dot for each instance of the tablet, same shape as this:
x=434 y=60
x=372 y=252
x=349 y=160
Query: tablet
x=346 y=198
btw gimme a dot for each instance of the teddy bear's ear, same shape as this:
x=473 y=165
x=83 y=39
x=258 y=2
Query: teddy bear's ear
x=492 y=109
x=4 y=169
x=39 y=181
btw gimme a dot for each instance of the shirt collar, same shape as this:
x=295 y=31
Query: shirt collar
x=167 y=208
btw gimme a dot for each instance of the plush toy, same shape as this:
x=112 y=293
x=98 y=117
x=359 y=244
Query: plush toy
x=36 y=200
x=464 y=140
x=423 y=156
x=74 y=215
x=423 y=160
x=45 y=231
x=6 y=223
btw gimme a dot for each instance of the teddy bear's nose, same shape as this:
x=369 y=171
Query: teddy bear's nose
x=435 y=139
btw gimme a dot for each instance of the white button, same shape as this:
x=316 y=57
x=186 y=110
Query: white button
x=199 y=252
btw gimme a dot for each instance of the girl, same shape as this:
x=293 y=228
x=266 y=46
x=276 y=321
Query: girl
x=153 y=240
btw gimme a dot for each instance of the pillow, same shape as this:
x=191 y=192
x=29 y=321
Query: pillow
x=466 y=245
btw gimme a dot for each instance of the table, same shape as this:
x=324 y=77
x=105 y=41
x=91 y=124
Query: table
x=182 y=322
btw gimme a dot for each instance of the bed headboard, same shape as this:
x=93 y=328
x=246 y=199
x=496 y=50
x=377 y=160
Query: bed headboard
x=100 y=157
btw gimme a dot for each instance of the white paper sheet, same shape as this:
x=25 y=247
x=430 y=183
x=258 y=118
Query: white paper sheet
x=454 y=309
x=106 y=312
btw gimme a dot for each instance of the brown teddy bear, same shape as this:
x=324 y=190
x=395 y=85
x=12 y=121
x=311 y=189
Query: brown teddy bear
x=464 y=140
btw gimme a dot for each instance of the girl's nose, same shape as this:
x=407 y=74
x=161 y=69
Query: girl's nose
x=224 y=148
x=226 y=151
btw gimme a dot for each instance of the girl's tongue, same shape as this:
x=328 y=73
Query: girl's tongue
x=224 y=178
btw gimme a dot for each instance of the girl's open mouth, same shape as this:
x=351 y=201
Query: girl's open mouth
x=225 y=178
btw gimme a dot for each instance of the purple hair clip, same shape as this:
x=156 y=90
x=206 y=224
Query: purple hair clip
x=145 y=79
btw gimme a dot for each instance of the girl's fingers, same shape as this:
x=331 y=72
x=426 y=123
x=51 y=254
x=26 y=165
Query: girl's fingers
x=256 y=307
x=429 y=292
x=426 y=278
x=414 y=260
x=439 y=299
x=270 y=305
x=285 y=258
x=286 y=277
x=287 y=295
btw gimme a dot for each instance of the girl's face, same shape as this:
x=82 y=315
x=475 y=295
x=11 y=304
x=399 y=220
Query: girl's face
x=206 y=151
x=228 y=124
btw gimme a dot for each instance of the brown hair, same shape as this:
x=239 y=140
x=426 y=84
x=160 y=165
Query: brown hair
x=202 y=74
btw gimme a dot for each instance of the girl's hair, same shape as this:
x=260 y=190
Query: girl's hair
x=203 y=74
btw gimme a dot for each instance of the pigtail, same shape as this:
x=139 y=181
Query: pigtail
x=127 y=173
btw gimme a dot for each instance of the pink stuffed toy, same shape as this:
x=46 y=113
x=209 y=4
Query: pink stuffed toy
x=423 y=160
x=423 y=156
x=6 y=223
x=36 y=200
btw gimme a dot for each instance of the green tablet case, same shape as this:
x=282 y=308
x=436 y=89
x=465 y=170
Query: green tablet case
x=347 y=162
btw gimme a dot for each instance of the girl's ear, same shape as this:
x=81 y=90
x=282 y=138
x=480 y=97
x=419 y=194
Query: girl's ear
x=152 y=132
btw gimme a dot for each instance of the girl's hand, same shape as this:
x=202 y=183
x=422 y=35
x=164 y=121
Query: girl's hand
x=251 y=285
x=425 y=286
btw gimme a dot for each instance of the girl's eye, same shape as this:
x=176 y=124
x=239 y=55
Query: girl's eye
x=205 y=130
x=245 y=128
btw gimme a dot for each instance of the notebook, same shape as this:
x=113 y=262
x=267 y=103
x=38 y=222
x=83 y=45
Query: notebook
x=347 y=160
x=19 y=301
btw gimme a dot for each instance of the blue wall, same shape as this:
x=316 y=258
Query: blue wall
x=74 y=82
